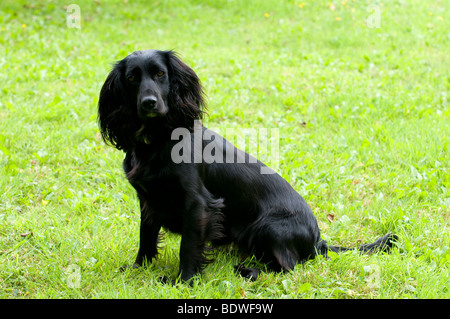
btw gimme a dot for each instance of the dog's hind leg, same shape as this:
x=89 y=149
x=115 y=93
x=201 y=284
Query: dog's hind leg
x=247 y=272
x=283 y=260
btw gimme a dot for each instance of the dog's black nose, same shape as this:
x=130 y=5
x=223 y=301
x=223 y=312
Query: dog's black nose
x=149 y=102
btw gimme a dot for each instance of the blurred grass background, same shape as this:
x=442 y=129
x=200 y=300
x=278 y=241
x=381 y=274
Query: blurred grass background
x=357 y=89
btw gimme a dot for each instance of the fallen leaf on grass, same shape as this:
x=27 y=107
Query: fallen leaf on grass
x=241 y=292
x=26 y=234
x=330 y=217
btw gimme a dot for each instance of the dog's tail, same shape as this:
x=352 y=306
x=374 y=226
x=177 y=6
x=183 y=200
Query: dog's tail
x=384 y=243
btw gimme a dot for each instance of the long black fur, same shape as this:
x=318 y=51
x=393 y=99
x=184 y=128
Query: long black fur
x=145 y=97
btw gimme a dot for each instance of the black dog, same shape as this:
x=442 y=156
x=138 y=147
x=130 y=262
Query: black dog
x=146 y=97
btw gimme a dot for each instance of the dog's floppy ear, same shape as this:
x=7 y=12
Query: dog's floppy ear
x=186 y=97
x=113 y=110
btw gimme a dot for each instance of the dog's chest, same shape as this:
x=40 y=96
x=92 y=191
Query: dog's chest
x=159 y=189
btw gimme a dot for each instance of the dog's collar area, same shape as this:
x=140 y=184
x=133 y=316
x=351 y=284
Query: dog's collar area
x=140 y=135
x=146 y=140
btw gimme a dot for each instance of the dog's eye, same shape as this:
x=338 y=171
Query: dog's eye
x=160 y=73
x=131 y=78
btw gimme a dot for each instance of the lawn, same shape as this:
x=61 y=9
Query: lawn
x=357 y=90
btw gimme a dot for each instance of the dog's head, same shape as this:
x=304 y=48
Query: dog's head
x=146 y=93
x=146 y=79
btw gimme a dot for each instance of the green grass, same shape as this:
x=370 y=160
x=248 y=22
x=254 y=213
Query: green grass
x=374 y=153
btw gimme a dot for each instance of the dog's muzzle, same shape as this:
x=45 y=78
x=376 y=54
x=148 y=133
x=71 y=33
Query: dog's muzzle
x=150 y=106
